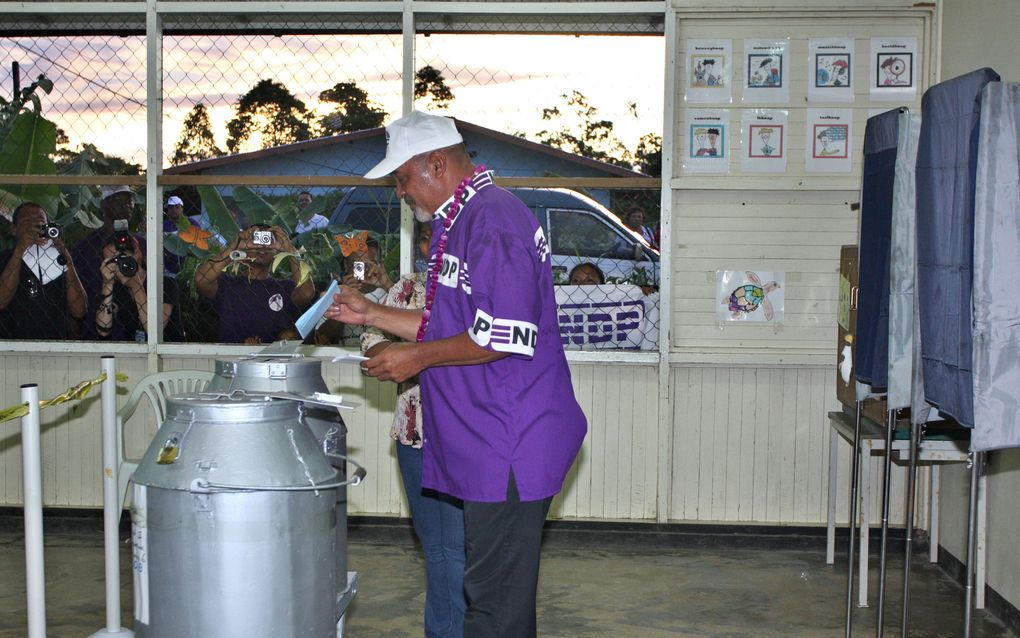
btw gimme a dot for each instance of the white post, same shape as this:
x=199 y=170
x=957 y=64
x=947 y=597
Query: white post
x=31 y=459
x=111 y=501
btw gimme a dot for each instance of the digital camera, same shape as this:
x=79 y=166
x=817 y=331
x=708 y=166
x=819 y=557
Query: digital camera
x=262 y=237
x=49 y=230
x=124 y=243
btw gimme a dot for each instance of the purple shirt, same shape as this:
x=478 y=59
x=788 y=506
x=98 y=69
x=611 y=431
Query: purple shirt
x=517 y=413
x=253 y=308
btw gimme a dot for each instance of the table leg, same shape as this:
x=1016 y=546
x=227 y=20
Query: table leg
x=830 y=521
x=933 y=515
x=864 y=507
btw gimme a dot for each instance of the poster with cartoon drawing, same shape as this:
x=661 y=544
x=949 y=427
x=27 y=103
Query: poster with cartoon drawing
x=766 y=71
x=763 y=133
x=754 y=296
x=707 y=146
x=829 y=140
x=709 y=71
x=831 y=70
x=893 y=69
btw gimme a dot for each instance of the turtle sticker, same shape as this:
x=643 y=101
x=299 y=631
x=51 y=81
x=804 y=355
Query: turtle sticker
x=750 y=296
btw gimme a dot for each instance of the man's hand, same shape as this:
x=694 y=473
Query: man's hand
x=398 y=362
x=349 y=306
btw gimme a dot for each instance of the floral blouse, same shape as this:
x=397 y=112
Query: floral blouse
x=408 y=293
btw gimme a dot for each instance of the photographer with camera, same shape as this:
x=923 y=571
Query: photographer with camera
x=40 y=292
x=253 y=306
x=117 y=205
x=122 y=311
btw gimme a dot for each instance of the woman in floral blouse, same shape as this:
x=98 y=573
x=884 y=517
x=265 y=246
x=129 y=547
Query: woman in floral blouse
x=438 y=518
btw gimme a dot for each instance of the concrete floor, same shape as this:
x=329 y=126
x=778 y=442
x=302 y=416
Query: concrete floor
x=631 y=591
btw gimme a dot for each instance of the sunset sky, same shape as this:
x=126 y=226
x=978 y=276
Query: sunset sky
x=499 y=81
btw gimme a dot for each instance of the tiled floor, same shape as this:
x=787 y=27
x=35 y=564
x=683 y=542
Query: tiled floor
x=631 y=591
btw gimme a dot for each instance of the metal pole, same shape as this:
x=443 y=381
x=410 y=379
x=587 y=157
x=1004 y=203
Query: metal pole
x=976 y=459
x=915 y=448
x=890 y=423
x=112 y=503
x=31 y=459
x=16 y=76
x=855 y=462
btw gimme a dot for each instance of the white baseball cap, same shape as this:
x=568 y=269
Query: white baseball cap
x=110 y=191
x=411 y=135
x=175 y=201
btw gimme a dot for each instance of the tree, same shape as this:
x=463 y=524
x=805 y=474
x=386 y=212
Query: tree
x=197 y=141
x=354 y=111
x=648 y=156
x=27 y=143
x=89 y=160
x=429 y=81
x=268 y=115
x=585 y=134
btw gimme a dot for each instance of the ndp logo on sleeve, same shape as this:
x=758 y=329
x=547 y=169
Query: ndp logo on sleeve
x=504 y=335
x=449 y=274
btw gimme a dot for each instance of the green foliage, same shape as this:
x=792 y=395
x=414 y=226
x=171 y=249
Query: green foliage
x=429 y=82
x=584 y=133
x=89 y=160
x=648 y=156
x=354 y=111
x=271 y=112
x=25 y=150
x=197 y=141
x=220 y=219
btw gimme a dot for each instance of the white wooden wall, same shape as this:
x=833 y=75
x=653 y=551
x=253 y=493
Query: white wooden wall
x=750 y=443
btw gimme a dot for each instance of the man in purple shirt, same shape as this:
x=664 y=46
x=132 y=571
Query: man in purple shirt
x=502 y=425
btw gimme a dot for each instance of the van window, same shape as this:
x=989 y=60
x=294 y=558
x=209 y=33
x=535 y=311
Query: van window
x=582 y=234
x=375 y=218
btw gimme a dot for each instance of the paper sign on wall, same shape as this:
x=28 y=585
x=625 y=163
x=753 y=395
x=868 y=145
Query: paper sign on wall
x=831 y=70
x=766 y=71
x=706 y=149
x=829 y=141
x=709 y=71
x=894 y=69
x=764 y=136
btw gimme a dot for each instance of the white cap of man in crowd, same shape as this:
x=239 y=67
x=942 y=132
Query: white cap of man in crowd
x=118 y=202
x=174 y=207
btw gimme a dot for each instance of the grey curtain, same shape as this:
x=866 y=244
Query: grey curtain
x=996 y=305
x=902 y=265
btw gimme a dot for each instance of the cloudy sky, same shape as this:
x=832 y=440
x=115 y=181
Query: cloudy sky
x=499 y=81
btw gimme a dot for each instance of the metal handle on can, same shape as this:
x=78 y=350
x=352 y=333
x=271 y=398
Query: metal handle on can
x=202 y=486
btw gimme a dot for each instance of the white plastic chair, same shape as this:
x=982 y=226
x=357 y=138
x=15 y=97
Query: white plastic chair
x=155 y=388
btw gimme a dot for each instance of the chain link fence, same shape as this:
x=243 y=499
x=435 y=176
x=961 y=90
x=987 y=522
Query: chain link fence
x=266 y=130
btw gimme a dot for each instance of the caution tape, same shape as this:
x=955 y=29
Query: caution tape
x=74 y=393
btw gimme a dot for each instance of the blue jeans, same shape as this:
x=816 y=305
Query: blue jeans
x=439 y=522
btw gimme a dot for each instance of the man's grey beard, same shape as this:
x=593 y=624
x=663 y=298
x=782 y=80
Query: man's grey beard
x=420 y=216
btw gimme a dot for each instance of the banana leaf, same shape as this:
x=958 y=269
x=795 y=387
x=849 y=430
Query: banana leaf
x=255 y=208
x=26 y=150
x=219 y=216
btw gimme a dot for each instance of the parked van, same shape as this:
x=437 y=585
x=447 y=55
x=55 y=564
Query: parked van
x=578 y=228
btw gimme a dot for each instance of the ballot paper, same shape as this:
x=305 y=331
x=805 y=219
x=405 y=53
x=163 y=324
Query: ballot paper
x=349 y=358
x=307 y=322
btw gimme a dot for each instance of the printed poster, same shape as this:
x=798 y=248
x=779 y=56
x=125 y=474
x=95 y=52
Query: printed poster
x=831 y=70
x=766 y=71
x=750 y=296
x=894 y=69
x=709 y=71
x=829 y=139
x=706 y=149
x=764 y=136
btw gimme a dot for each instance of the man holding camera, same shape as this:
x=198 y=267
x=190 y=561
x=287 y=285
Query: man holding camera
x=117 y=205
x=39 y=288
x=122 y=312
x=253 y=306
